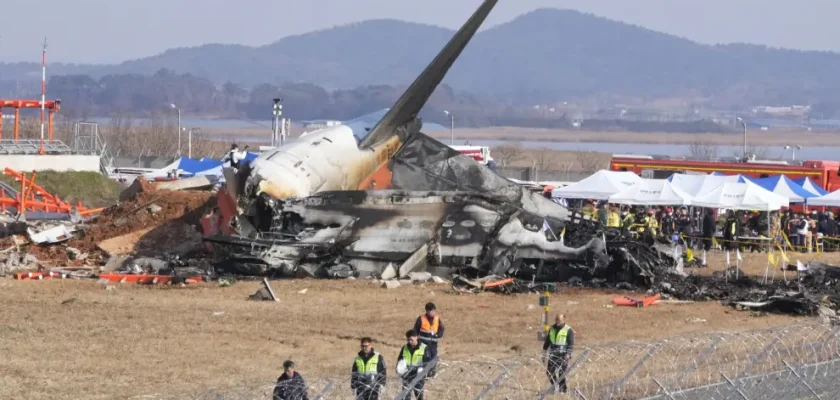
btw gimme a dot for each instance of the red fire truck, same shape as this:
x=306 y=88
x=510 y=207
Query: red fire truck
x=478 y=153
x=823 y=173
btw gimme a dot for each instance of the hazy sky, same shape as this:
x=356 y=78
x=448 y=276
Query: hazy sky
x=108 y=31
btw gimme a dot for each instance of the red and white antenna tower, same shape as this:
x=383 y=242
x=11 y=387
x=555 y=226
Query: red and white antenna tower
x=43 y=90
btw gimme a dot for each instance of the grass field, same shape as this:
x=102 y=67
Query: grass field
x=93 y=189
x=77 y=340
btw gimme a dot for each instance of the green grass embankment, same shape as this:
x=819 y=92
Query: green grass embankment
x=93 y=189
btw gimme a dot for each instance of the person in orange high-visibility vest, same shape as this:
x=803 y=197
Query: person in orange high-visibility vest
x=430 y=328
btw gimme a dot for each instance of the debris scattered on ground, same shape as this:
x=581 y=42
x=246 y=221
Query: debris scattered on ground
x=803 y=294
x=166 y=220
x=392 y=284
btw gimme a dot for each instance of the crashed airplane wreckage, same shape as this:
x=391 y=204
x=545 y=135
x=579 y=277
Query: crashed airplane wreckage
x=351 y=199
x=443 y=212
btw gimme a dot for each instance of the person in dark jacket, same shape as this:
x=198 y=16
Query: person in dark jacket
x=290 y=385
x=830 y=230
x=709 y=226
x=430 y=328
x=731 y=231
x=666 y=224
x=368 y=376
x=558 y=346
x=416 y=358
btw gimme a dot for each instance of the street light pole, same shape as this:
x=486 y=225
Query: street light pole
x=179 y=126
x=451 y=127
x=744 y=123
x=189 y=142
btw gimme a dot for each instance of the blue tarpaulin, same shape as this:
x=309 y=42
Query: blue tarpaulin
x=784 y=186
x=192 y=167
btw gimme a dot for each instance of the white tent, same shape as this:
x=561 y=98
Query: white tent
x=741 y=196
x=696 y=185
x=652 y=192
x=599 y=186
x=830 y=200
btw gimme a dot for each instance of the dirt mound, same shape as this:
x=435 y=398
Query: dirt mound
x=165 y=216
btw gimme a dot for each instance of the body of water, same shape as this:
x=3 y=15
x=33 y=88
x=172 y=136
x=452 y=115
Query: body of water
x=673 y=150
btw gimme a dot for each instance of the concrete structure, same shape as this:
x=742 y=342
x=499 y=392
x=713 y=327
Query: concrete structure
x=55 y=162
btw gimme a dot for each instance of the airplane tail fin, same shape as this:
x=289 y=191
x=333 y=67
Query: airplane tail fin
x=416 y=96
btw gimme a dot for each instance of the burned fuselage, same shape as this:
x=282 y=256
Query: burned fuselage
x=368 y=230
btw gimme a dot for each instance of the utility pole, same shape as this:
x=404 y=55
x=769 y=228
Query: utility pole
x=179 y=126
x=43 y=90
x=744 y=123
x=189 y=141
x=276 y=128
x=451 y=128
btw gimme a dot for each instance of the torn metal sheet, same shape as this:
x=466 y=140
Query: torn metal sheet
x=57 y=234
x=361 y=233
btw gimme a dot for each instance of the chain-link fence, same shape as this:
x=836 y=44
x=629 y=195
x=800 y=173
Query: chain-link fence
x=793 y=362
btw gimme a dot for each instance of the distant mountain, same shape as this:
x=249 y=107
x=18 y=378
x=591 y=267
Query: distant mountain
x=544 y=56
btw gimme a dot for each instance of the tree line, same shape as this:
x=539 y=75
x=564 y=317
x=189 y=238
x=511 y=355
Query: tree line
x=142 y=95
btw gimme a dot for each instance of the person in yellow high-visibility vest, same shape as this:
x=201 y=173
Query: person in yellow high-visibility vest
x=651 y=224
x=411 y=361
x=613 y=218
x=558 y=346
x=368 y=376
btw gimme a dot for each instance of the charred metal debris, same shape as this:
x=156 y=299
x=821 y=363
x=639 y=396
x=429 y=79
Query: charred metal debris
x=445 y=214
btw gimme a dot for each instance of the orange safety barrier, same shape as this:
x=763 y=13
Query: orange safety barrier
x=631 y=302
x=27 y=276
x=146 y=279
x=35 y=198
x=498 y=283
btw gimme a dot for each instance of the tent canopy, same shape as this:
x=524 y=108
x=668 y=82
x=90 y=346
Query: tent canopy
x=695 y=185
x=782 y=185
x=652 y=192
x=599 y=186
x=829 y=200
x=810 y=186
x=741 y=196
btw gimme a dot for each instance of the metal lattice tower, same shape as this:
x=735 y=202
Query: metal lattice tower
x=88 y=140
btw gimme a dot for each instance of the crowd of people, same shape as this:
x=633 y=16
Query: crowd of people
x=704 y=228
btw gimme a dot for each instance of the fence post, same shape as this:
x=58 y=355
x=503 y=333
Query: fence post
x=813 y=360
x=630 y=373
x=801 y=380
x=663 y=388
x=578 y=394
x=498 y=380
x=747 y=370
x=735 y=388
x=703 y=354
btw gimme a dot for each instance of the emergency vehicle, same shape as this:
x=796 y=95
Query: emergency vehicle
x=823 y=173
x=481 y=154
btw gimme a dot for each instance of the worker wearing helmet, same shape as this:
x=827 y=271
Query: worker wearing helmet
x=667 y=223
x=651 y=225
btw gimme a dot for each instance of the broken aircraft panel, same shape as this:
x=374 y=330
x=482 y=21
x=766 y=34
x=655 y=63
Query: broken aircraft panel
x=370 y=229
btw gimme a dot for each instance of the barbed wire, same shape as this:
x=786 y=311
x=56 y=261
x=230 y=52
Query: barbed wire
x=793 y=362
